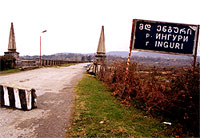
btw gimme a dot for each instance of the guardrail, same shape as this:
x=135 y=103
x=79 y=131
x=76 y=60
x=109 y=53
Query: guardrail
x=57 y=62
x=44 y=62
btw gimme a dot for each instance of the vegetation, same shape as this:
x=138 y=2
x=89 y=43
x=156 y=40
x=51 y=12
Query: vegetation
x=99 y=114
x=7 y=62
x=168 y=92
x=9 y=71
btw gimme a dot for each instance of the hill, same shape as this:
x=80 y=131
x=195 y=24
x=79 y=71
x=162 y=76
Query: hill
x=153 y=59
x=124 y=54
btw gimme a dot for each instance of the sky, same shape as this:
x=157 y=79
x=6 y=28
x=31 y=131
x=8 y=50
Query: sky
x=75 y=25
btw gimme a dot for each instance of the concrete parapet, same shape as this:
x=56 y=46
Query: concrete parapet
x=45 y=62
x=19 y=97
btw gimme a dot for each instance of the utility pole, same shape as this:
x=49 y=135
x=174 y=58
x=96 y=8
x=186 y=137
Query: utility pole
x=41 y=47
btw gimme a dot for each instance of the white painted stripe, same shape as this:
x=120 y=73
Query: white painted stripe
x=28 y=99
x=6 y=97
x=17 y=99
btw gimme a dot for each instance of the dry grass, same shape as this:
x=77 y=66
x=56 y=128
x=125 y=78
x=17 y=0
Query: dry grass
x=171 y=92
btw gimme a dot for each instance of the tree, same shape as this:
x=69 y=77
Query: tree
x=7 y=62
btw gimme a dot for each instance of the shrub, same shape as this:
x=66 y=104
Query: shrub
x=7 y=62
x=171 y=92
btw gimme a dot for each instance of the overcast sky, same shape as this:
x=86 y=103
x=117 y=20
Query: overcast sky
x=75 y=25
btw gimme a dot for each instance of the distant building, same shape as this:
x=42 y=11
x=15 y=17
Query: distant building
x=12 y=44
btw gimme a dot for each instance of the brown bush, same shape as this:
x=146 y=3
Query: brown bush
x=168 y=92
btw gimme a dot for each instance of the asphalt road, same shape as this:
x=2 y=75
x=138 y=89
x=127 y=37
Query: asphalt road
x=54 y=88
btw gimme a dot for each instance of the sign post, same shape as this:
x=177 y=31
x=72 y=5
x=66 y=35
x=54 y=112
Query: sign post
x=130 y=49
x=163 y=37
x=129 y=57
x=196 y=47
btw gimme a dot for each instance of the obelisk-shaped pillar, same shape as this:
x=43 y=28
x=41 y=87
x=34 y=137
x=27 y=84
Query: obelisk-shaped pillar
x=12 y=44
x=100 y=56
x=101 y=50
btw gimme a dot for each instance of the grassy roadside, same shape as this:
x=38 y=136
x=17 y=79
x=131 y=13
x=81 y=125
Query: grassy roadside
x=9 y=71
x=98 y=114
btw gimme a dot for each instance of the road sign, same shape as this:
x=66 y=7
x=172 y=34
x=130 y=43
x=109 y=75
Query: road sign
x=164 y=37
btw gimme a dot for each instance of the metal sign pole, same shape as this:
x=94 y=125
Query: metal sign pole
x=130 y=49
x=196 y=47
x=129 y=57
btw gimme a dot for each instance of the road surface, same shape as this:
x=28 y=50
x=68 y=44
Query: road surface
x=54 y=88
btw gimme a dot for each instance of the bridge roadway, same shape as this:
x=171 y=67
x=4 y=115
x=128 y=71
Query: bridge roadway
x=54 y=88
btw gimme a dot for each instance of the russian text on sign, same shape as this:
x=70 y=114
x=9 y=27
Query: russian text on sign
x=166 y=37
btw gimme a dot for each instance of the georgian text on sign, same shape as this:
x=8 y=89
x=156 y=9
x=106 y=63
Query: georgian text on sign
x=166 y=37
